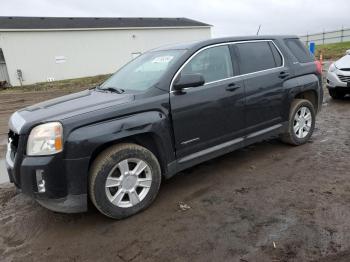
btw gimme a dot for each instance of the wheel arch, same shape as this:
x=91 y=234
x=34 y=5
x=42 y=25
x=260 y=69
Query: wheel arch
x=149 y=129
x=310 y=95
x=147 y=140
x=305 y=87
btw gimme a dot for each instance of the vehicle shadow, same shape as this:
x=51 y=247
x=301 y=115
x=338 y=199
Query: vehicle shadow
x=344 y=100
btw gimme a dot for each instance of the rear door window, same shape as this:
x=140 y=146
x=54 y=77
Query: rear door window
x=255 y=56
x=276 y=55
x=213 y=63
x=299 y=50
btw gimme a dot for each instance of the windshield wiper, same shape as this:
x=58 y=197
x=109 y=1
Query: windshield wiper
x=94 y=87
x=111 y=89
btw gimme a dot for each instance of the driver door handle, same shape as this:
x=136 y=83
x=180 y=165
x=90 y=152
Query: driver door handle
x=232 y=87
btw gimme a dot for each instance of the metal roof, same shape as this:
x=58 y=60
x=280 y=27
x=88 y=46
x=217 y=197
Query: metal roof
x=67 y=23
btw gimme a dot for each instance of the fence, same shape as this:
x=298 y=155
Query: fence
x=329 y=37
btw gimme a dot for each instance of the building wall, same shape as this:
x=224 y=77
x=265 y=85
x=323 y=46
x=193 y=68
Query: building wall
x=56 y=55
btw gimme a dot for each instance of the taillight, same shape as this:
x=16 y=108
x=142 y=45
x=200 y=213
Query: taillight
x=318 y=67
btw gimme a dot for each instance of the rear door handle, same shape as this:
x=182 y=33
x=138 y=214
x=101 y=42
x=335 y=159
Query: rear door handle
x=283 y=74
x=232 y=87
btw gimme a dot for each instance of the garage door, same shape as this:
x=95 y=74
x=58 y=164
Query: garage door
x=4 y=77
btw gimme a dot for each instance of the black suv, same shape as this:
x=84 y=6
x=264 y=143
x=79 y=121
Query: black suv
x=169 y=109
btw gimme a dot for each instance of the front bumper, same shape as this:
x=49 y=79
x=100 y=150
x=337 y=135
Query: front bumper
x=333 y=80
x=65 y=180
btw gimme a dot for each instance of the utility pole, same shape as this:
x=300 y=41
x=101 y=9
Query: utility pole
x=257 y=33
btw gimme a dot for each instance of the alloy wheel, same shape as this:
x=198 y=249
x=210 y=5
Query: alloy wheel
x=128 y=182
x=302 y=122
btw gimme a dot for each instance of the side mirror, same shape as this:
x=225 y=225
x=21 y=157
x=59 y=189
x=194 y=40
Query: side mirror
x=188 y=80
x=347 y=52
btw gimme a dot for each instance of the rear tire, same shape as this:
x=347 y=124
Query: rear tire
x=124 y=180
x=301 y=122
x=336 y=94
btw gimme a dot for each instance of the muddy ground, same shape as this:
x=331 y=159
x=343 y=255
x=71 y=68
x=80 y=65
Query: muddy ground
x=268 y=202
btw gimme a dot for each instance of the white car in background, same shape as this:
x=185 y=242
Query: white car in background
x=338 y=77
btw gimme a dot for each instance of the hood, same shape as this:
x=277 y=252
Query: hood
x=66 y=106
x=343 y=62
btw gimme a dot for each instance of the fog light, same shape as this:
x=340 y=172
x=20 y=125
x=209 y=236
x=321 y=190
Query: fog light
x=40 y=182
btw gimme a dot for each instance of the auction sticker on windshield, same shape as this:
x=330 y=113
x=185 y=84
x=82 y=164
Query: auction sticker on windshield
x=162 y=59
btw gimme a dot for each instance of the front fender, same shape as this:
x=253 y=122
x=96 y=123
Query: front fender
x=82 y=142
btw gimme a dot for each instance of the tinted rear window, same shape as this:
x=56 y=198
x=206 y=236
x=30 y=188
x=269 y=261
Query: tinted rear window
x=299 y=50
x=255 y=56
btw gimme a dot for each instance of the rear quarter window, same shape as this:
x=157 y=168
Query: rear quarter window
x=299 y=50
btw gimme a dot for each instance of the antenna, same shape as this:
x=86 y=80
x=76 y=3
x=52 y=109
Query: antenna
x=257 y=33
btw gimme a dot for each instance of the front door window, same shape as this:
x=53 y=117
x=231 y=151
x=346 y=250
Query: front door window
x=213 y=63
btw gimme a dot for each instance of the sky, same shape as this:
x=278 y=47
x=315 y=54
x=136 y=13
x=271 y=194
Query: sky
x=228 y=17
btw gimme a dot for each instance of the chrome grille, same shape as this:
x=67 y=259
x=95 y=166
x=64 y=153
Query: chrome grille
x=345 y=79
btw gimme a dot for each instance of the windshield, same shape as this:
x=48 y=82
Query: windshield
x=143 y=72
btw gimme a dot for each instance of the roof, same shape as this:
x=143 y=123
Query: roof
x=73 y=23
x=213 y=41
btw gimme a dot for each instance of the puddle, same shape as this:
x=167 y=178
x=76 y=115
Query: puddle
x=3 y=172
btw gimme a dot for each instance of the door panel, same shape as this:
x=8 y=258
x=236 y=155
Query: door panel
x=262 y=66
x=207 y=116
x=211 y=114
x=265 y=99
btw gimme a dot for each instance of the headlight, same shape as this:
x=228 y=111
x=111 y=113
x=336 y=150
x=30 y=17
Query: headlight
x=332 y=68
x=45 y=139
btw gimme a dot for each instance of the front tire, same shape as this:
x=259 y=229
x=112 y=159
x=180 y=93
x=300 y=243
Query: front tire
x=336 y=94
x=301 y=122
x=124 y=180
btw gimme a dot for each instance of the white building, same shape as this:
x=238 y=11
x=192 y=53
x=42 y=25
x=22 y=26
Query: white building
x=34 y=49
